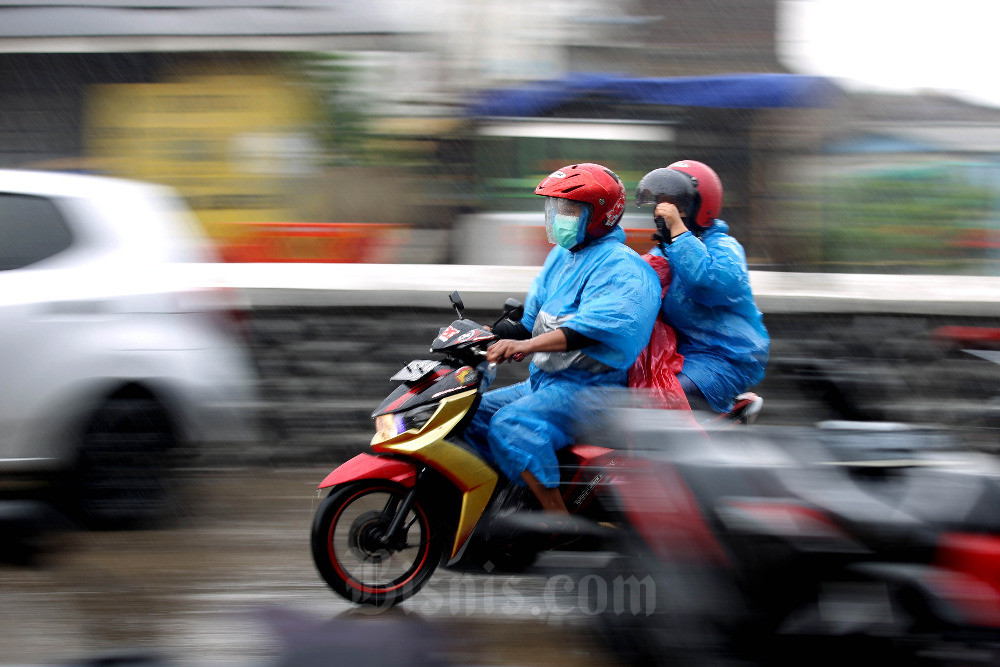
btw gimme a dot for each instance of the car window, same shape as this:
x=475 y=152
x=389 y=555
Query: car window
x=31 y=229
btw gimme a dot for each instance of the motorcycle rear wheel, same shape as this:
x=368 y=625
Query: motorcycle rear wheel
x=348 y=552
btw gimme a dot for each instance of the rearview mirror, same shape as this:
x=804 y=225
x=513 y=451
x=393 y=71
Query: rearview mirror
x=456 y=301
x=513 y=310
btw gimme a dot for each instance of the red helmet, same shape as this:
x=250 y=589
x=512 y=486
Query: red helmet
x=708 y=203
x=591 y=184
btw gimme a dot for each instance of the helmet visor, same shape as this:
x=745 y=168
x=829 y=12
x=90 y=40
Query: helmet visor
x=565 y=218
x=667 y=185
x=645 y=196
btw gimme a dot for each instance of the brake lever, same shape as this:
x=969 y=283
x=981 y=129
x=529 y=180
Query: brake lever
x=482 y=353
x=479 y=352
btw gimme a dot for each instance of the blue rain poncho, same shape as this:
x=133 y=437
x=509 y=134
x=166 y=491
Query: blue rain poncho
x=709 y=303
x=604 y=291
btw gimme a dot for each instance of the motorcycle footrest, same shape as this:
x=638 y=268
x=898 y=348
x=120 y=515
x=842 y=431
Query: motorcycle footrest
x=544 y=524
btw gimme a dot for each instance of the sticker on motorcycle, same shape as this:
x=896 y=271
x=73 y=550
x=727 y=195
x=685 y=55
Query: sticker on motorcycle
x=447 y=333
x=463 y=373
x=450 y=390
x=415 y=370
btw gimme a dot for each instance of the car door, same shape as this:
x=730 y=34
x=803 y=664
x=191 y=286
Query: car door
x=32 y=230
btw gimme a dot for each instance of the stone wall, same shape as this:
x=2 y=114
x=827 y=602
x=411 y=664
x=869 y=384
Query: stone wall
x=324 y=369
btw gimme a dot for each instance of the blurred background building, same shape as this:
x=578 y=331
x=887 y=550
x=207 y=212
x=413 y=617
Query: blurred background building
x=321 y=130
x=395 y=131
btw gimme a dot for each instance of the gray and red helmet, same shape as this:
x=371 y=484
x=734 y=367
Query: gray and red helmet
x=668 y=185
x=692 y=186
x=708 y=206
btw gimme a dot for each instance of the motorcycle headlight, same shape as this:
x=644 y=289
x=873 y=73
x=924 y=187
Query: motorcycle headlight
x=392 y=424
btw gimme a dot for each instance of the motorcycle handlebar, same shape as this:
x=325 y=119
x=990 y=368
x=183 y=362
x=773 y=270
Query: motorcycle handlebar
x=480 y=352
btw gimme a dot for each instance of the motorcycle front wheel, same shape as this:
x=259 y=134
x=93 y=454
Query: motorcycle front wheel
x=352 y=554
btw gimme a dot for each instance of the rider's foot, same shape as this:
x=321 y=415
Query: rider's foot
x=551 y=500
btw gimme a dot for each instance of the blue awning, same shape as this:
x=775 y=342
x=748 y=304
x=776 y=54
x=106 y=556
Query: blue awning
x=728 y=91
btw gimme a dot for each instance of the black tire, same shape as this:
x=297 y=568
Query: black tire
x=352 y=561
x=122 y=476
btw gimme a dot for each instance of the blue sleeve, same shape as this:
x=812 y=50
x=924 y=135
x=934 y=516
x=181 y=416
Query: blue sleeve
x=713 y=272
x=618 y=307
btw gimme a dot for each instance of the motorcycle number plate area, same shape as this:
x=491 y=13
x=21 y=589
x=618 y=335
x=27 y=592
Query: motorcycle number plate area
x=415 y=370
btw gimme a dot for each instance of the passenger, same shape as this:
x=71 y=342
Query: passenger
x=709 y=303
x=589 y=312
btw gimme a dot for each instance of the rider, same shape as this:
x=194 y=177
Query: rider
x=589 y=312
x=709 y=302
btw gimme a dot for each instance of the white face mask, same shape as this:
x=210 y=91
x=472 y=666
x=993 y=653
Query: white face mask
x=565 y=221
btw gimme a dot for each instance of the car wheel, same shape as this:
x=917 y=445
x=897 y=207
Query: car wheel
x=123 y=472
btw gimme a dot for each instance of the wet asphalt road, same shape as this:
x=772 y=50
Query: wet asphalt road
x=232 y=583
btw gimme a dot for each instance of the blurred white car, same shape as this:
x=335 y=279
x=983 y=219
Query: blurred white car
x=116 y=350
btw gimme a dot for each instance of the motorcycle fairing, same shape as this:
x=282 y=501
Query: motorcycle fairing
x=460 y=333
x=471 y=474
x=959 y=598
x=588 y=454
x=666 y=514
x=591 y=466
x=802 y=526
x=366 y=466
x=430 y=386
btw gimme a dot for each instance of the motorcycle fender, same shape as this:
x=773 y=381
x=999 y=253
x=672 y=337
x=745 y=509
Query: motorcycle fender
x=367 y=466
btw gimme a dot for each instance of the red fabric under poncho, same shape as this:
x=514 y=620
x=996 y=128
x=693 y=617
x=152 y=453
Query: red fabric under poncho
x=655 y=371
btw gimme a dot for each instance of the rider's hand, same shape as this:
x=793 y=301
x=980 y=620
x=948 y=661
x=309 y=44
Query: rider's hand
x=672 y=216
x=507 y=348
x=517 y=349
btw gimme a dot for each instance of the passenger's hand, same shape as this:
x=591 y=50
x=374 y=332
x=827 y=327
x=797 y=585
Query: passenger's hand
x=672 y=216
x=507 y=348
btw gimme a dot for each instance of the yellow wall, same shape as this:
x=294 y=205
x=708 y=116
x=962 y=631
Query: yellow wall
x=229 y=143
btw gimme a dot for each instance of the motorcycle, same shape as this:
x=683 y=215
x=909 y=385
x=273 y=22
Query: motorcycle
x=851 y=540
x=425 y=496
x=390 y=517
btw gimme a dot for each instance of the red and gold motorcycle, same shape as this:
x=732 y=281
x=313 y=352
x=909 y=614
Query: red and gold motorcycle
x=425 y=496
